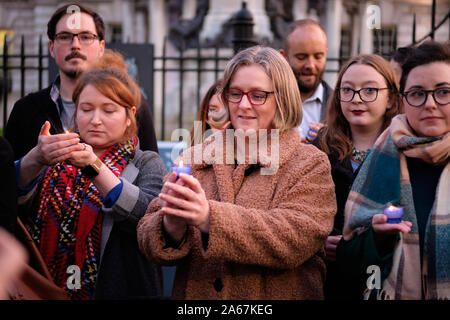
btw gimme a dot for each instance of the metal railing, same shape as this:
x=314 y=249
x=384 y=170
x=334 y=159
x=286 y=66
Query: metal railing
x=200 y=61
x=6 y=76
x=179 y=66
x=434 y=26
x=176 y=65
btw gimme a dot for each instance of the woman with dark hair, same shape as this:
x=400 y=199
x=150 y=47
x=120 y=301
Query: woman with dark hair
x=409 y=168
x=365 y=100
x=212 y=114
x=398 y=58
x=88 y=202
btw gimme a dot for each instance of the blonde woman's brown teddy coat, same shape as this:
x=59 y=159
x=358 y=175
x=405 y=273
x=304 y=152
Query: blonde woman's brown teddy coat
x=266 y=231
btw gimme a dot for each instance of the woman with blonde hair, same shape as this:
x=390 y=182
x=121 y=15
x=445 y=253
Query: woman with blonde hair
x=365 y=100
x=243 y=229
x=86 y=205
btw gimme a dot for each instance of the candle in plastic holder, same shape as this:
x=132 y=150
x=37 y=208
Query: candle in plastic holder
x=394 y=214
x=180 y=168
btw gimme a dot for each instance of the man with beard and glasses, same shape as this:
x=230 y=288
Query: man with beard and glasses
x=76 y=41
x=305 y=49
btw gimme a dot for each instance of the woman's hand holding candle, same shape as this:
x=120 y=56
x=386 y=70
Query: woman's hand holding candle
x=186 y=201
x=381 y=226
x=49 y=150
x=52 y=149
x=174 y=226
x=181 y=168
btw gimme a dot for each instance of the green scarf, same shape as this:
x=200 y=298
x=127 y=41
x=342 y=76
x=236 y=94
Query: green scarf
x=384 y=179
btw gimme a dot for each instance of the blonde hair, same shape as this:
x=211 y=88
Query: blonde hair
x=287 y=95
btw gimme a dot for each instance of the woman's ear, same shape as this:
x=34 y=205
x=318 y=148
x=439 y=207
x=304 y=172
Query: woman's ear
x=391 y=100
x=133 y=111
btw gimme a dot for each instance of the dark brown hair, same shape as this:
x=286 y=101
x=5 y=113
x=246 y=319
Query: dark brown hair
x=336 y=137
x=58 y=14
x=202 y=114
x=428 y=52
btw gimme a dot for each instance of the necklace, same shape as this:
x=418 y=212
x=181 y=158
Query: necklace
x=358 y=155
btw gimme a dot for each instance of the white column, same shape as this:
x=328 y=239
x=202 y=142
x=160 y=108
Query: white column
x=140 y=34
x=365 y=34
x=157 y=24
x=333 y=31
x=127 y=19
x=356 y=21
x=299 y=9
x=158 y=29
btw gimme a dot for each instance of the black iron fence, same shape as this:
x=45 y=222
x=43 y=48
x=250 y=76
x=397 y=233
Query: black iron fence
x=182 y=64
x=192 y=70
x=9 y=64
x=173 y=105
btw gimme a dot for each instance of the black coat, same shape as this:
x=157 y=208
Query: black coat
x=8 y=189
x=30 y=113
x=343 y=176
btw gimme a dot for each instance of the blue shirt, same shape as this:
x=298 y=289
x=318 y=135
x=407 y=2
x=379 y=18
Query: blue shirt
x=312 y=108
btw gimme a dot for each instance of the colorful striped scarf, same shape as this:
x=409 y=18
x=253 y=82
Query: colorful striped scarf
x=67 y=227
x=384 y=179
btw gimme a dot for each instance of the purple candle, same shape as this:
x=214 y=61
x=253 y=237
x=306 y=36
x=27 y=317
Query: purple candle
x=394 y=214
x=181 y=169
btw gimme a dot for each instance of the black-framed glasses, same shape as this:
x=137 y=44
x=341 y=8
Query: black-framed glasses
x=418 y=97
x=85 y=38
x=347 y=94
x=256 y=97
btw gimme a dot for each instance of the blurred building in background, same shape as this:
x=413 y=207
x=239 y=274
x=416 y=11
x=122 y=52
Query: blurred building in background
x=179 y=28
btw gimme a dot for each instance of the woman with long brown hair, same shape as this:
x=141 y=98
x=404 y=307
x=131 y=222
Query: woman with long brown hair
x=365 y=100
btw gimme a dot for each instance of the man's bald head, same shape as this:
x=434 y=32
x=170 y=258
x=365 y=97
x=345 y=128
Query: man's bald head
x=305 y=49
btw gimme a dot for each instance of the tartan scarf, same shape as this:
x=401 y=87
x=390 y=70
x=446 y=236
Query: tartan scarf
x=67 y=228
x=384 y=179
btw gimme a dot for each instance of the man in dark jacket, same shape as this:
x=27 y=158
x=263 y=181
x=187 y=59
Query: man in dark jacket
x=305 y=49
x=74 y=53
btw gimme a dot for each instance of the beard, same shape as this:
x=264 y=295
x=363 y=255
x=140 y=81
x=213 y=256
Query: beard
x=73 y=74
x=77 y=71
x=308 y=88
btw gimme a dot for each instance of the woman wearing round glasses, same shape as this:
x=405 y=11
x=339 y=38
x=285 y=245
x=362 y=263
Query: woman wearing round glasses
x=233 y=231
x=408 y=168
x=365 y=100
